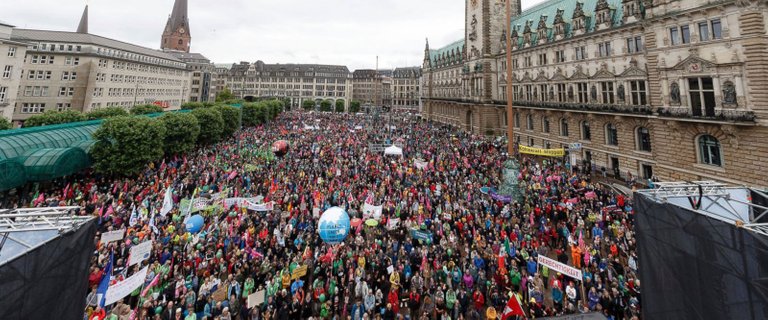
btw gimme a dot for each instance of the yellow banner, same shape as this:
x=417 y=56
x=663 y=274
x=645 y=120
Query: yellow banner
x=542 y=152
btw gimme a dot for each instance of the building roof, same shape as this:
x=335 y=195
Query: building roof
x=549 y=10
x=83 y=26
x=3 y=23
x=179 y=17
x=84 y=38
x=457 y=47
x=185 y=56
x=407 y=72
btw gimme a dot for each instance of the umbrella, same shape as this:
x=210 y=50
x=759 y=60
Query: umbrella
x=355 y=222
x=371 y=223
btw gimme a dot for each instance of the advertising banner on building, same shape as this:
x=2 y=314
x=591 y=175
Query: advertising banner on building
x=542 y=152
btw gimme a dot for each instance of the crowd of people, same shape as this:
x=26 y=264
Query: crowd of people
x=479 y=253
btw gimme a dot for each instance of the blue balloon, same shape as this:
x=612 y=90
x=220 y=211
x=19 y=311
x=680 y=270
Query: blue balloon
x=333 y=225
x=195 y=223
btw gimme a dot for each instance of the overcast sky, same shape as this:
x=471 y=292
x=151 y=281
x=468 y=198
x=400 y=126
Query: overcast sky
x=344 y=32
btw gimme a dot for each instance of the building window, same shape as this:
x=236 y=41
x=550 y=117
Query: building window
x=561 y=93
x=635 y=44
x=685 y=34
x=611 y=135
x=717 y=29
x=604 y=48
x=674 y=36
x=32 y=107
x=529 y=124
x=545 y=125
x=560 y=56
x=637 y=91
x=564 y=127
x=581 y=53
x=704 y=31
x=709 y=151
x=702 y=94
x=7 y=72
x=3 y=93
x=11 y=52
x=582 y=92
x=63 y=106
x=585 y=133
x=517 y=120
x=543 y=59
x=531 y=142
x=647 y=171
x=607 y=91
x=643 y=139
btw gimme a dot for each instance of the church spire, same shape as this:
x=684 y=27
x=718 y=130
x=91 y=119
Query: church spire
x=178 y=18
x=83 y=26
x=176 y=35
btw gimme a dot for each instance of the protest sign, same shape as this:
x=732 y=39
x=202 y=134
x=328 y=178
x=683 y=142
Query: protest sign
x=560 y=267
x=110 y=236
x=256 y=299
x=299 y=272
x=372 y=212
x=140 y=252
x=123 y=288
x=421 y=235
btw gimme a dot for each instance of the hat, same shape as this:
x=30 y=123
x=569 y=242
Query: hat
x=178 y=310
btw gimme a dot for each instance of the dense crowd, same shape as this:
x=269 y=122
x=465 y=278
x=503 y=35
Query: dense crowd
x=481 y=250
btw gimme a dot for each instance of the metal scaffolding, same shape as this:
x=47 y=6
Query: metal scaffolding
x=17 y=221
x=734 y=205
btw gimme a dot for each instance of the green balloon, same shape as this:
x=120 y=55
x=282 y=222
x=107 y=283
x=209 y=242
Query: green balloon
x=233 y=214
x=322 y=297
x=219 y=254
x=158 y=310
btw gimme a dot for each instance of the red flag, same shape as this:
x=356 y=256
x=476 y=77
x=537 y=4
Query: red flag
x=66 y=191
x=512 y=308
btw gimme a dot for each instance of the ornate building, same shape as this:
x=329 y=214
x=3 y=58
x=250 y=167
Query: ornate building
x=672 y=89
x=176 y=35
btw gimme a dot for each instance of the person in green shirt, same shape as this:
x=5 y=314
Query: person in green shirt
x=248 y=287
x=515 y=278
x=450 y=298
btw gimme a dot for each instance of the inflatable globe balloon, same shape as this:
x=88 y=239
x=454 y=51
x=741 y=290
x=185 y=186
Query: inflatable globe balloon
x=333 y=225
x=280 y=148
x=195 y=223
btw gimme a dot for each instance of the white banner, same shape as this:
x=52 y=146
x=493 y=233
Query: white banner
x=110 y=236
x=260 y=207
x=420 y=164
x=167 y=202
x=123 y=288
x=240 y=202
x=561 y=268
x=371 y=211
x=392 y=223
x=140 y=252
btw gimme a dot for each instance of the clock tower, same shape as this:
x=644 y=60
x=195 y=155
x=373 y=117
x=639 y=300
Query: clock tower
x=485 y=27
x=176 y=35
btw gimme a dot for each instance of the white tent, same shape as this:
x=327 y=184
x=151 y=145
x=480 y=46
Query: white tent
x=393 y=151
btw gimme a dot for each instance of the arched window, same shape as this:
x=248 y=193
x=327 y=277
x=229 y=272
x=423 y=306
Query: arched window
x=545 y=125
x=586 y=134
x=611 y=135
x=530 y=122
x=709 y=151
x=517 y=120
x=643 y=139
x=564 y=127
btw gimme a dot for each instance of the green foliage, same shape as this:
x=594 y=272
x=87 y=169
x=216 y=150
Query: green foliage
x=54 y=117
x=211 y=125
x=231 y=117
x=5 y=124
x=146 y=109
x=125 y=145
x=224 y=95
x=325 y=105
x=308 y=104
x=253 y=114
x=339 y=105
x=182 y=130
x=354 y=106
x=195 y=105
x=108 y=112
x=286 y=103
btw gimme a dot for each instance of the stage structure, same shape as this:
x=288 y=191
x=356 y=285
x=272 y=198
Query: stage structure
x=703 y=251
x=44 y=262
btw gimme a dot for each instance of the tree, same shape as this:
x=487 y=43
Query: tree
x=5 y=124
x=146 y=109
x=181 y=132
x=286 y=103
x=354 y=106
x=125 y=145
x=54 y=117
x=194 y=105
x=308 y=105
x=339 y=105
x=325 y=105
x=231 y=117
x=211 y=125
x=107 y=112
x=253 y=114
x=224 y=95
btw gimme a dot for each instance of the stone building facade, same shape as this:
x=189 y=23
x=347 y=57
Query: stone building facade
x=406 y=83
x=670 y=89
x=296 y=82
x=372 y=87
x=11 y=63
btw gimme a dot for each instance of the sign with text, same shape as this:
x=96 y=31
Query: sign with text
x=560 y=267
x=299 y=272
x=110 y=236
x=123 y=288
x=140 y=252
x=542 y=152
x=421 y=235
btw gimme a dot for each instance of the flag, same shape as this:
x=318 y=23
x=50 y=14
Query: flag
x=152 y=224
x=101 y=291
x=513 y=308
x=150 y=285
x=581 y=240
x=66 y=190
x=134 y=217
x=110 y=211
x=167 y=202
x=232 y=175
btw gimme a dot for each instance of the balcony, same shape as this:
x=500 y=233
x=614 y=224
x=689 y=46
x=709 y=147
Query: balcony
x=643 y=110
x=721 y=115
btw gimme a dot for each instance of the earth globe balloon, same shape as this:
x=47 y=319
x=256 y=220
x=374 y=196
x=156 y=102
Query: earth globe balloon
x=280 y=148
x=333 y=225
x=195 y=223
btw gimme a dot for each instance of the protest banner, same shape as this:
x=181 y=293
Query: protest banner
x=542 y=152
x=262 y=207
x=372 y=212
x=421 y=235
x=123 y=288
x=256 y=299
x=560 y=267
x=420 y=164
x=498 y=197
x=299 y=272
x=140 y=252
x=392 y=223
x=110 y=236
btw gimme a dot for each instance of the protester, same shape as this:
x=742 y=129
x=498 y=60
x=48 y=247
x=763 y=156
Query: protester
x=479 y=250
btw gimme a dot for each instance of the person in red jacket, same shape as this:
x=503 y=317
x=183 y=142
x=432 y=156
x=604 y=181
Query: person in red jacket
x=479 y=300
x=394 y=300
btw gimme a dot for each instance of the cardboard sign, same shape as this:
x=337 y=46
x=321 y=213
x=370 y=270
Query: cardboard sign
x=110 y=236
x=561 y=268
x=256 y=299
x=299 y=272
x=220 y=295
